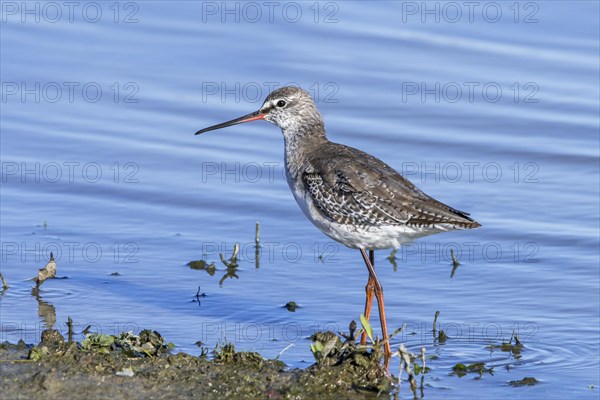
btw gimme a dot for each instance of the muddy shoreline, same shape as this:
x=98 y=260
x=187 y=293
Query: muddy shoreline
x=143 y=366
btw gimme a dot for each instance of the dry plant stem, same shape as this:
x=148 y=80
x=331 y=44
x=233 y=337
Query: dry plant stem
x=232 y=263
x=257 y=245
x=405 y=361
x=454 y=260
x=422 y=369
x=257 y=235
x=4 y=284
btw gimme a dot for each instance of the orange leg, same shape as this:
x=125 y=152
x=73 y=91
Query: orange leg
x=370 y=291
x=379 y=296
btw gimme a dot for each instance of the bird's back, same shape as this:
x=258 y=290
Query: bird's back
x=349 y=186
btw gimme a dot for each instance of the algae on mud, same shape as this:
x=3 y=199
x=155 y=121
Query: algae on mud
x=140 y=366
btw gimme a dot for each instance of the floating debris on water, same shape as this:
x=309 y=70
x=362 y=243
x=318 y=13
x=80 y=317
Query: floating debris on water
x=49 y=271
x=461 y=369
x=527 y=381
x=291 y=306
x=202 y=265
x=513 y=346
x=442 y=337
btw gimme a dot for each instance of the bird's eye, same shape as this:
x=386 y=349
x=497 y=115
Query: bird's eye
x=281 y=103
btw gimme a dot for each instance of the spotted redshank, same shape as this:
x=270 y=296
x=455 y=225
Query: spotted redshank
x=351 y=196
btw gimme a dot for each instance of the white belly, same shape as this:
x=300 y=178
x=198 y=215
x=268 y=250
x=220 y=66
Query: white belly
x=372 y=238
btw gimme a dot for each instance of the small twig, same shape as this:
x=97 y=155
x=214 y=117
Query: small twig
x=437 y=314
x=257 y=234
x=198 y=294
x=423 y=369
x=4 y=284
x=405 y=361
x=454 y=260
x=455 y=263
x=236 y=250
x=516 y=338
x=232 y=263
x=257 y=245
x=454 y=268
x=441 y=337
x=284 y=350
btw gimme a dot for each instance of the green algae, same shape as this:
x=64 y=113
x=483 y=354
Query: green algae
x=461 y=369
x=527 y=381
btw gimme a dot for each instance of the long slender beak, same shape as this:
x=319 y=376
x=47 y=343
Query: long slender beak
x=255 y=116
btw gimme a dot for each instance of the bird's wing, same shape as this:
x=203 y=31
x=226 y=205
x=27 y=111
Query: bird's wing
x=353 y=187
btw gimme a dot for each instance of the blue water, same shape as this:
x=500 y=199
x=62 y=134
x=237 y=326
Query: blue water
x=493 y=110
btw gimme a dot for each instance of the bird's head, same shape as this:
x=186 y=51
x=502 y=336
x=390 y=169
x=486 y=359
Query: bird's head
x=290 y=108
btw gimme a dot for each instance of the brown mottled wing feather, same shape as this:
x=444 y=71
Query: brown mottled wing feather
x=352 y=187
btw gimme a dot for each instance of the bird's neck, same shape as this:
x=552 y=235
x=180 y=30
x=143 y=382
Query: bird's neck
x=301 y=142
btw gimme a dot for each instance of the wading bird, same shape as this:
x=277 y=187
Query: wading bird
x=351 y=196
